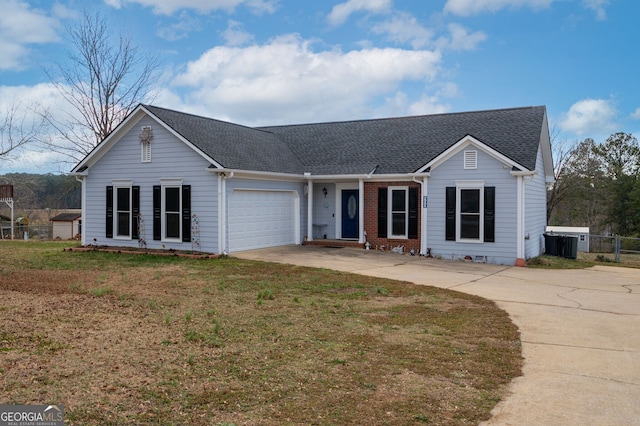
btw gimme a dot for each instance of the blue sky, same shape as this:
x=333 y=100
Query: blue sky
x=263 y=62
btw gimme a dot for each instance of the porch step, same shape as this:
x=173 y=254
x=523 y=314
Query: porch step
x=334 y=243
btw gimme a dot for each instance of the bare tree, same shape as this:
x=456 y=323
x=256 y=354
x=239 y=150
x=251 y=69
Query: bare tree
x=558 y=190
x=18 y=127
x=105 y=78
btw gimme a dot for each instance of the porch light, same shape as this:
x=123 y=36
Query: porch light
x=324 y=191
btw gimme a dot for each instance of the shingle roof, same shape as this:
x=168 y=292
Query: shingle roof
x=231 y=145
x=391 y=145
x=66 y=217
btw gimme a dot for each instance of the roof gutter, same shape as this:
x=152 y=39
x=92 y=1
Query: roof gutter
x=250 y=173
x=524 y=173
x=309 y=177
x=420 y=175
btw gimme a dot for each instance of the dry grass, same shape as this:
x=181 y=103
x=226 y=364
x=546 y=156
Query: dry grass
x=628 y=260
x=121 y=339
x=585 y=260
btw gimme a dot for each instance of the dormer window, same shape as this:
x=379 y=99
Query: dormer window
x=146 y=135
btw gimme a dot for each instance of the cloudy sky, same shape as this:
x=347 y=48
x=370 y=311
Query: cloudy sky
x=263 y=62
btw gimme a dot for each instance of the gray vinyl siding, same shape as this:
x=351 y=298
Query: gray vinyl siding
x=535 y=210
x=324 y=210
x=493 y=173
x=170 y=158
x=269 y=185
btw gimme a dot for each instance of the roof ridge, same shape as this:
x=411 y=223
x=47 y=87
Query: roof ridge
x=202 y=117
x=406 y=117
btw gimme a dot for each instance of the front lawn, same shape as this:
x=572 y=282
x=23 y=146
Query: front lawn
x=123 y=339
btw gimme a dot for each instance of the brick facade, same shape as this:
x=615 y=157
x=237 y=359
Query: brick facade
x=371 y=217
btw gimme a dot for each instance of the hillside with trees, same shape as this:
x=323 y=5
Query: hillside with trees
x=34 y=193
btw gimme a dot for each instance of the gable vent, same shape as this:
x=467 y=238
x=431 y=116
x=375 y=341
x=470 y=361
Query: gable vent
x=471 y=160
x=146 y=134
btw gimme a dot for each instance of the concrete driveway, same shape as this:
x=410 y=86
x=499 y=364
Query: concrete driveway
x=580 y=329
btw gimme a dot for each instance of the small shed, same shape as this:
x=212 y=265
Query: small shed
x=574 y=231
x=66 y=225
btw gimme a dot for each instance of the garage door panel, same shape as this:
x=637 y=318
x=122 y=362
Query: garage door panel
x=259 y=219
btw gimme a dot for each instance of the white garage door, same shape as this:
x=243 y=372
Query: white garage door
x=259 y=219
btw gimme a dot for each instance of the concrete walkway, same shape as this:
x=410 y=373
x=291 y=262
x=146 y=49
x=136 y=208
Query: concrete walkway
x=580 y=329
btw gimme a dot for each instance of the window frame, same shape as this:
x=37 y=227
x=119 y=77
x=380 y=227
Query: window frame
x=117 y=186
x=171 y=184
x=470 y=186
x=391 y=212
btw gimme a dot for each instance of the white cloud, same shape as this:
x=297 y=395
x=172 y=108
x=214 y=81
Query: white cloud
x=169 y=7
x=589 y=117
x=181 y=29
x=636 y=114
x=400 y=101
x=235 y=36
x=44 y=94
x=461 y=39
x=473 y=7
x=598 y=7
x=404 y=28
x=285 y=81
x=21 y=26
x=341 y=12
x=28 y=101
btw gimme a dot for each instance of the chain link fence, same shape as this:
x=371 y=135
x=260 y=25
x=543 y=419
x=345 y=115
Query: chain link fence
x=32 y=232
x=614 y=249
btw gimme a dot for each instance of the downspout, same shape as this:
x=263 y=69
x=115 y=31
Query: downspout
x=361 y=237
x=221 y=226
x=423 y=214
x=83 y=209
x=309 y=207
x=520 y=261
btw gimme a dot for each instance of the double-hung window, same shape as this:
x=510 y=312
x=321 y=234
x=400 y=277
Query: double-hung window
x=398 y=212
x=171 y=214
x=398 y=207
x=123 y=212
x=470 y=212
x=123 y=206
x=172 y=211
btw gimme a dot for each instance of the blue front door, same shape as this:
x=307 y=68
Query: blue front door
x=350 y=213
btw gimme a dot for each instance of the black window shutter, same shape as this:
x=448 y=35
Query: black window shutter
x=489 y=214
x=157 y=212
x=413 y=213
x=450 y=226
x=135 y=210
x=186 y=213
x=109 y=216
x=382 y=212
